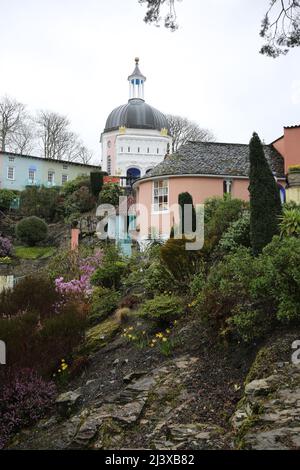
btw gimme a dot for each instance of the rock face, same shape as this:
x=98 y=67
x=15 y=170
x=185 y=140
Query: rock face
x=268 y=416
x=67 y=402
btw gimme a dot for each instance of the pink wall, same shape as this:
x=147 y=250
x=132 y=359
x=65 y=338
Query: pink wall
x=289 y=147
x=200 y=189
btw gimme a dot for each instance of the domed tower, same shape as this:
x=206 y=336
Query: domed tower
x=136 y=135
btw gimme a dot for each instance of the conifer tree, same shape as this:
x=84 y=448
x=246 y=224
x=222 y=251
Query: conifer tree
x=265 y=203
x=186 y=199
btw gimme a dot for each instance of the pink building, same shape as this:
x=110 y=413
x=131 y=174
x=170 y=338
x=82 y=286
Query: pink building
x=205 y=169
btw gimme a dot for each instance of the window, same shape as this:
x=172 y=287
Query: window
x=51 y=175
x=227 y=186
x=160 y=196
x=148 y=150
x=122 y=149
x=65 y=166
x=10 y=173
x=109 y=165
x=109 y=144
x=138 y=149
x=128 y=149
x=64 y=179
x=31 y=175
x=11 y=159
x=157 y=150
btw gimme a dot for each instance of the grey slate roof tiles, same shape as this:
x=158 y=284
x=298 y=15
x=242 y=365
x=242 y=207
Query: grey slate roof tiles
x=212 y=158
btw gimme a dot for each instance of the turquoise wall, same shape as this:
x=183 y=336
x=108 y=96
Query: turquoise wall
x=22 y=164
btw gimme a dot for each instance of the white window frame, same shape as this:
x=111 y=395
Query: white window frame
x=52 y=182
x=13 y=173
x=31 y=180
x=159 y=192
x=11 y=159
x=64 y=178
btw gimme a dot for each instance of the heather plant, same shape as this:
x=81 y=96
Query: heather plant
x=24 y=399
x=5 y=247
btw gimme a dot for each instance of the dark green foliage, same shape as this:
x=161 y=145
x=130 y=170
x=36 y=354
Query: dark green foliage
x=112 y=269
x=31 y=230
x=219 y=214
x=6 y=198
x=248 y=295
x=162 y=309
x=104 y=302
x=290 y=222
x=238 y=234
x=185 y=199
x=265 y=204
x=32 y=293
x=42 y=202
x=181 y=263
x=96 y=178
x=79 y=201
x=110 y=194
x=71 y=186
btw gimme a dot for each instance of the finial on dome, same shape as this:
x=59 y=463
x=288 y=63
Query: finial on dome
x=137 y=59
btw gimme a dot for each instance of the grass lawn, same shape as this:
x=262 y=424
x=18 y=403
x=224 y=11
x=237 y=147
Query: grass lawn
x=34 y=252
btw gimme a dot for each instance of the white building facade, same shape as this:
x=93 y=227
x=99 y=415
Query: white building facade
x=136 y=135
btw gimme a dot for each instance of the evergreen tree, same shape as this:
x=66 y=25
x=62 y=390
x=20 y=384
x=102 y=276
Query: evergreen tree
x=186 y=199
x=265 y=203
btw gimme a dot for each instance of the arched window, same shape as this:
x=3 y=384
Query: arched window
x=109 y=165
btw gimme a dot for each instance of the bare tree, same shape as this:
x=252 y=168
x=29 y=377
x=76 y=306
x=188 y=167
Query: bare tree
x=183 y=130
x=280 y=26
x=23 y=139
x=12 y=117
x=57 y=141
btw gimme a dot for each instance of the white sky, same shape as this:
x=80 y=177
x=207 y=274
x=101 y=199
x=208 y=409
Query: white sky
x=74 y=56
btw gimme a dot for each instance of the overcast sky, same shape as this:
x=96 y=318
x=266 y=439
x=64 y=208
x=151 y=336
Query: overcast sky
x=74 y=56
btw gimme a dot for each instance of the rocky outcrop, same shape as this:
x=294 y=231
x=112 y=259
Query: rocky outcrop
x=268 y=417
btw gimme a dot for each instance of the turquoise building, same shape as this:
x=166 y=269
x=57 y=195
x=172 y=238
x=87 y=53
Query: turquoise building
x=18 y=171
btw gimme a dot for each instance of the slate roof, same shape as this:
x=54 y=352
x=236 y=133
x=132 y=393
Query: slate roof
x=212 y=158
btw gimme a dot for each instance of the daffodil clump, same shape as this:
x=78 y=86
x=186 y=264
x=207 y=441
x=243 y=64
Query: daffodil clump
x=163 y=341
x=138 y=337
x=62 y=373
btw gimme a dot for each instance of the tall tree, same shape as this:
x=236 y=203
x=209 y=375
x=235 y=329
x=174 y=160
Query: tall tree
x=280 y=26
x=183 y=130
x=23 y=139
x=185 y=199
x=12 y=117
x=265 y=204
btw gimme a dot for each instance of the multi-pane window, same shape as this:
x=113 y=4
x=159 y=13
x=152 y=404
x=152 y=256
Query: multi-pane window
x=64 y=179
x=109 y=165
x=31 y=175
x=10 y=173
x=65 y=166
x=160 y=196
x=11 y=159
x=51 y=175
x=227 y=186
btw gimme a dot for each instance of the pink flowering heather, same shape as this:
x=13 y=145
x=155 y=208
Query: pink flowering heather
x=5 y=247
x=80 y=287
x=23 y=400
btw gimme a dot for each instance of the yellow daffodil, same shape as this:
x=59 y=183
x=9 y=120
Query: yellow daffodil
x=164 y=340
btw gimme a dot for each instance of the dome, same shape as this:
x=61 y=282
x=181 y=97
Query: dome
x=136 y=114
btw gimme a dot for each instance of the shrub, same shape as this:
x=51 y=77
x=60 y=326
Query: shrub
x=80 y=201
x=5 y=247
x=32 y=293
x=104 y=302
x=31 y=230
x=24 y=400
x=185 y=199
x=238 y=234
x=6 y=198
x=41 y=202
x=219 y=214
x=162 y=309
x=290 y=223
x=181 y=263
x=129 y=301
x=71 y=186
x=96 y=179
x=110 y=194
x=265 y=203
x=109 y=275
